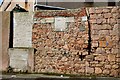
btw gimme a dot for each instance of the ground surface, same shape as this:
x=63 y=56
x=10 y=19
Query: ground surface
x=49 y=77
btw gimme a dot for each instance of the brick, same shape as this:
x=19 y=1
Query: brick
x=98 y=70
x=111 y=57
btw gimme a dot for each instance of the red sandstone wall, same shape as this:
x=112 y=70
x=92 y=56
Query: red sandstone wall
x=67 y=52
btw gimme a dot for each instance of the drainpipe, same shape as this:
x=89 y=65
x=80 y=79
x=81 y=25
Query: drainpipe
x=89 y=31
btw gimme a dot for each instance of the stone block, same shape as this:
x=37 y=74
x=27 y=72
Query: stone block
x=91 y=10
x=100 y=58
x=106 y=26
x=22 y=30
x=95 y=44
x=104 y=32
x=111 y=57
x=89 y=70
x=100 y=50
x=98 y=70
x=70 y=19
x=49 y=20
x=108 y=66
x=115 y=66
x=106 y=10
x=117 y=59
x=114 y=10
x=94 y=32
x=114 y=73
x=115 y=51
x=98 y=21
x=107 y=15
x=95 y=37
x=106 y=71
x=93 y=16
x=102 y=43
x=98 y=11
x=93 y=21
x=22 y=59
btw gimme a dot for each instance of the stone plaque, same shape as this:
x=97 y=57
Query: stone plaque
x=84 y=18
x=18 y=58
x=60 y=24
x=23 y=29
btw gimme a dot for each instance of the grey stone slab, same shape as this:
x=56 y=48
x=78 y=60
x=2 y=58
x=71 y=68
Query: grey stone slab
x=60 y=24
x=23 y=29
x=18 y=58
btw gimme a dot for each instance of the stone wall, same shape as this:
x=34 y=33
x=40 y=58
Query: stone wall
x=83 y=47
x=60 y=51
x=105 y=28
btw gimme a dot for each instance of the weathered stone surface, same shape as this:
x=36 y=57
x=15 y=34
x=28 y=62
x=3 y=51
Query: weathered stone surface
x=61 y=49
x=111 y=57
x=115 y=66
x=100 y=50
x=22 y=59
x=98 y=70
x=22 y=29
x=102 y=43
x=106 y=71
x=108 y=66
x=106 y=10
x=89 y=70
x=100 y=58
x=114 y=72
